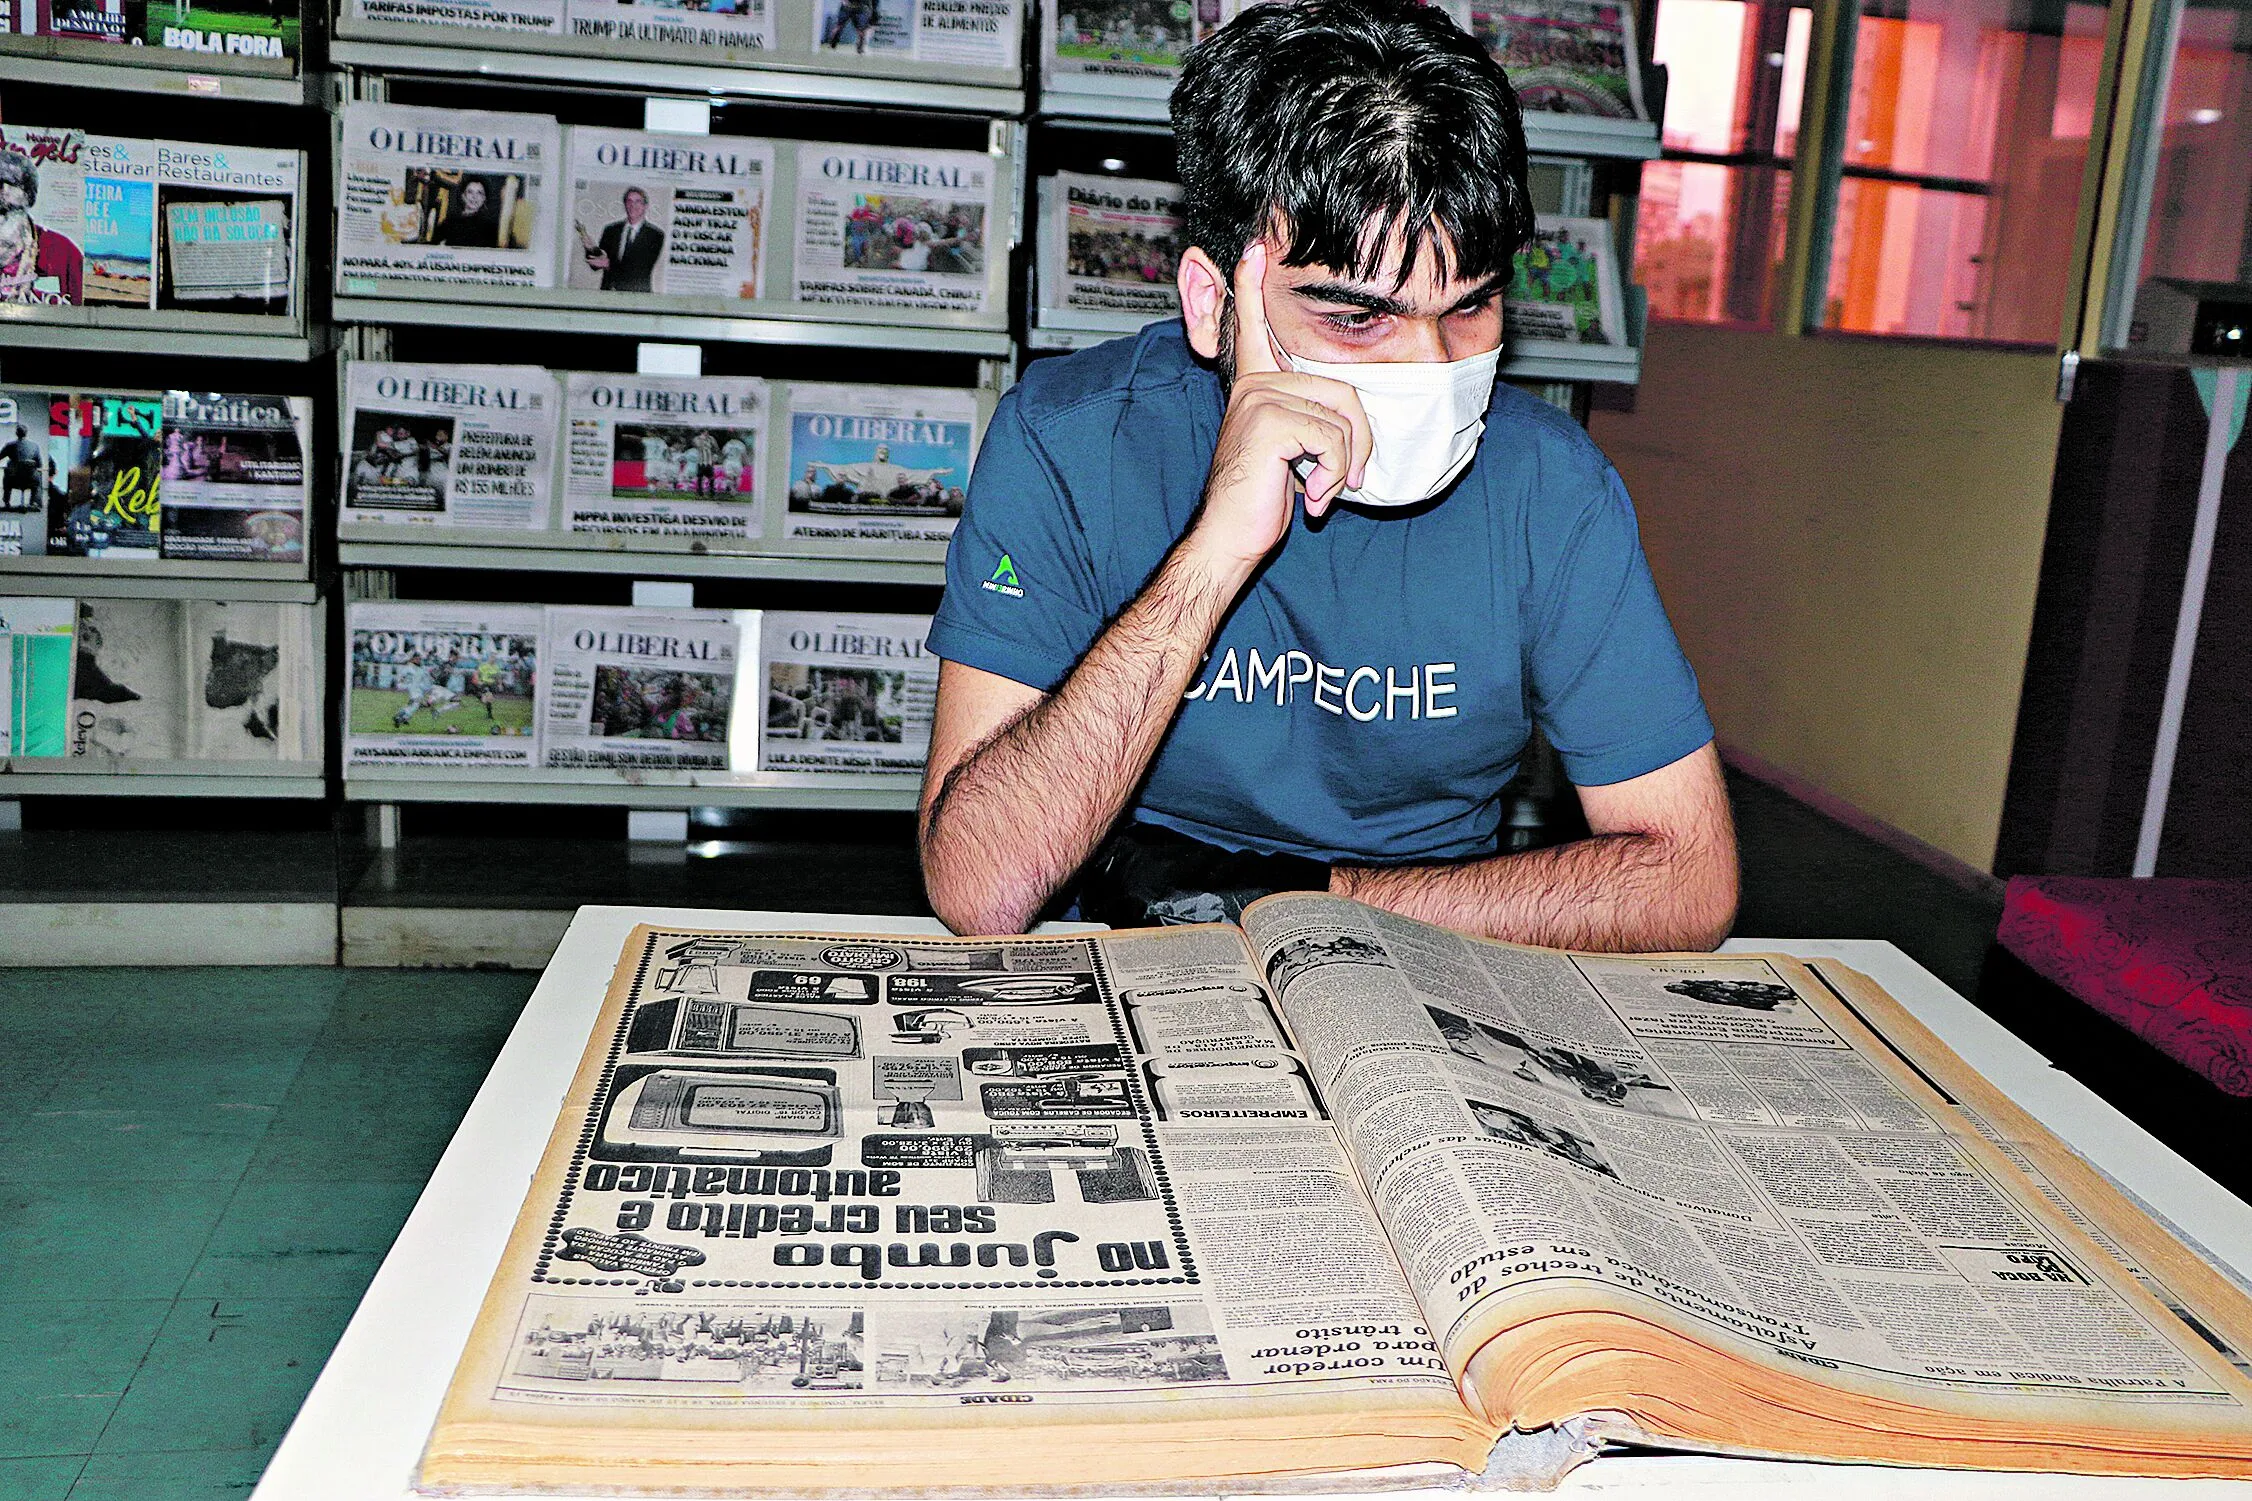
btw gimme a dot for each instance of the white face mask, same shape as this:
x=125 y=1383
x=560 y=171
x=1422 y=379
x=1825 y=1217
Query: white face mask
x=1426 y=420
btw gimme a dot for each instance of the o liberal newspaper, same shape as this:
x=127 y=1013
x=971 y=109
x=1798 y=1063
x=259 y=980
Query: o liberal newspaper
x=884 y=227
x=441 y=684
x=444 y=195
x=878 y=462
x=450 y=445
x=844 y=692
x=638 y=689
x=677 y=215
x=672 y=456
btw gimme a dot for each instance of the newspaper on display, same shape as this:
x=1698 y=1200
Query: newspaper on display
x=962 y=33
x=227 y=220
x=194 y=680
x=225 y=33
x=441 y=684
x=450 y=445
x=442 y=195
x=234 y=476
x=883 y=227
x=1574 y=57
x=637 y=689
x=676 y=215
x=853 y=1185
x=117 y=218
x=1115 y=245
x=844 y=692
x=1565 y=285
x=671 y=456
x=1127 y=38
x=878 y=462
x=727 y=25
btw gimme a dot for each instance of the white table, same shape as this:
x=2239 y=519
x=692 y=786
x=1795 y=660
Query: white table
x=362 y=1428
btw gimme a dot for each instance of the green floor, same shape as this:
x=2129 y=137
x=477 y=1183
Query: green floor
x=199 y=1172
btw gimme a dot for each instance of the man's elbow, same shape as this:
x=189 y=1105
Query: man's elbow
x=1707 y=888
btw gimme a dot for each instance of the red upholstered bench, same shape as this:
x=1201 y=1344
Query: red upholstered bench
x=2170 y=960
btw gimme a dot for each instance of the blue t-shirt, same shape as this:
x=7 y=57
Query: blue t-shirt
x=1370 y=692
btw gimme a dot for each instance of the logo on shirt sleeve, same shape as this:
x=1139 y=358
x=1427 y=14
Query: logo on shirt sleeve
x=1003 y=579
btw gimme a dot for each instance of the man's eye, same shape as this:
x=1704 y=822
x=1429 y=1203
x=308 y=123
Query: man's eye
x=1352 y=320
x=1473 y=308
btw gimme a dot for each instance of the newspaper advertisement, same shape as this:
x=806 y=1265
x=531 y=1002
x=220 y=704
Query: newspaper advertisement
x=879 y=462
x=676 y=215
x=234 y=476
x=1695 y=1131
x=668 y=456
x=919 y=1173
x=43 y=215
x=1118 y=245
x=227 y=217
x=1574 y=57
x=441 y=684
x=117 y=221
x=1565 y=285
x=194 y=680
x=450 y=445
x=880 y=227
x=444 y=195
x=722 y=25
x=526 y=17
x=637 y=689
x=844 y=692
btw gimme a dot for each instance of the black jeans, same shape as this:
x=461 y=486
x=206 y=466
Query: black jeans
x=1146 y=876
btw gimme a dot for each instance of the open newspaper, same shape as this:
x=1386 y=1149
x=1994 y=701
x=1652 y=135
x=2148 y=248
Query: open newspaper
x=1334 y=1192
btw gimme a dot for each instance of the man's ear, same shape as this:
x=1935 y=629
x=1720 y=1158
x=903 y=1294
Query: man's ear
x=1204 y=296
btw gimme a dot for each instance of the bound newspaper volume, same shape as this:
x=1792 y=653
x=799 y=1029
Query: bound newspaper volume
x=1336 y=1192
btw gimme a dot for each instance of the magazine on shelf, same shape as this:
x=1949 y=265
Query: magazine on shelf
x=665 y=456
x=270 y=31
x=1566 y=285
x=234 y=476
x=108 y=21
x=637 y=690
x=31 y=479
x=1575 y=57
x=1113 y=245
x=1327 y=1195
x=35 y=663
x=444 y=195
x=108 y=451
x=118 y=217
x=227 y=228
x=441 y=684
x=886 y=227
x=676 y=215
x=889 y=463
x=450 y=445
x=843 y=692
x=42 y=242
x=194 y=680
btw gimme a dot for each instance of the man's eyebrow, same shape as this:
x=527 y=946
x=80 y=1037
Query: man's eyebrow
x=1377 y=302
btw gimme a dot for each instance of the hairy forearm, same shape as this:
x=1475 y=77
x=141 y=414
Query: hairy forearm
x=1629 y=892
x=1022 y=812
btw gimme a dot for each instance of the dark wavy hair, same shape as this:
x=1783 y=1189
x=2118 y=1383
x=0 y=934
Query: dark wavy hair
x=1339 y=124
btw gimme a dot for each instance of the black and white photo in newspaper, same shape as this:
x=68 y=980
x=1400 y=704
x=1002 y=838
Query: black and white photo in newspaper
x=447 y=195
x=471 y=446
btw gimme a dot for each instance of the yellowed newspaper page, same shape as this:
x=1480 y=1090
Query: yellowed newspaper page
x=1715 y=1145
x=820 y=1206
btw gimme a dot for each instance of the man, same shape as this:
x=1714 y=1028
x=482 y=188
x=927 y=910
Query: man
x=26 y=461
x=629 y=248
x=1278 y=593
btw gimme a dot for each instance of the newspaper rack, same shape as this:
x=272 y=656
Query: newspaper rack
x=635 y=557
x=564 y=311
x=889 y=792
x=72 y=64
x=158 y=578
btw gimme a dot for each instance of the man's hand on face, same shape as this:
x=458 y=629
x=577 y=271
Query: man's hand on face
x=1275 y=417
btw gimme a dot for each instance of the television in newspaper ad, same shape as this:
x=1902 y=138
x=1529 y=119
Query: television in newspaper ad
x=450 y=445
x=673 y=215
x=1126 y=38
x=31 y=478
x=637 y=690
x=1565 y=285
x=35 y=667
x=713 y=26
x=1114 y=245
x=1574 y=57
x=234 y=476
x=441 y=684
x=42 y=215
x=226 y=33
x=844 y=692
x=665 y=456
x=885 y=227
x=878 y=463
x=108 y=449
x=118 y=208
x=227 y=228
x=445 y=195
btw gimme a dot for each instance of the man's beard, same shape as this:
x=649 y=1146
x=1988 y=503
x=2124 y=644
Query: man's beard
x=1224 y=362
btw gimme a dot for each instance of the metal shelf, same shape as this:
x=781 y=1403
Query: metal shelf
x=541 y=554
x=645 y=75
x=160 y=578
x=56 y=61
x=1139 y=105
x=32 y=327
x=828 y=331
x=853 y=791
x=44 y=778
x=1552 y=359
